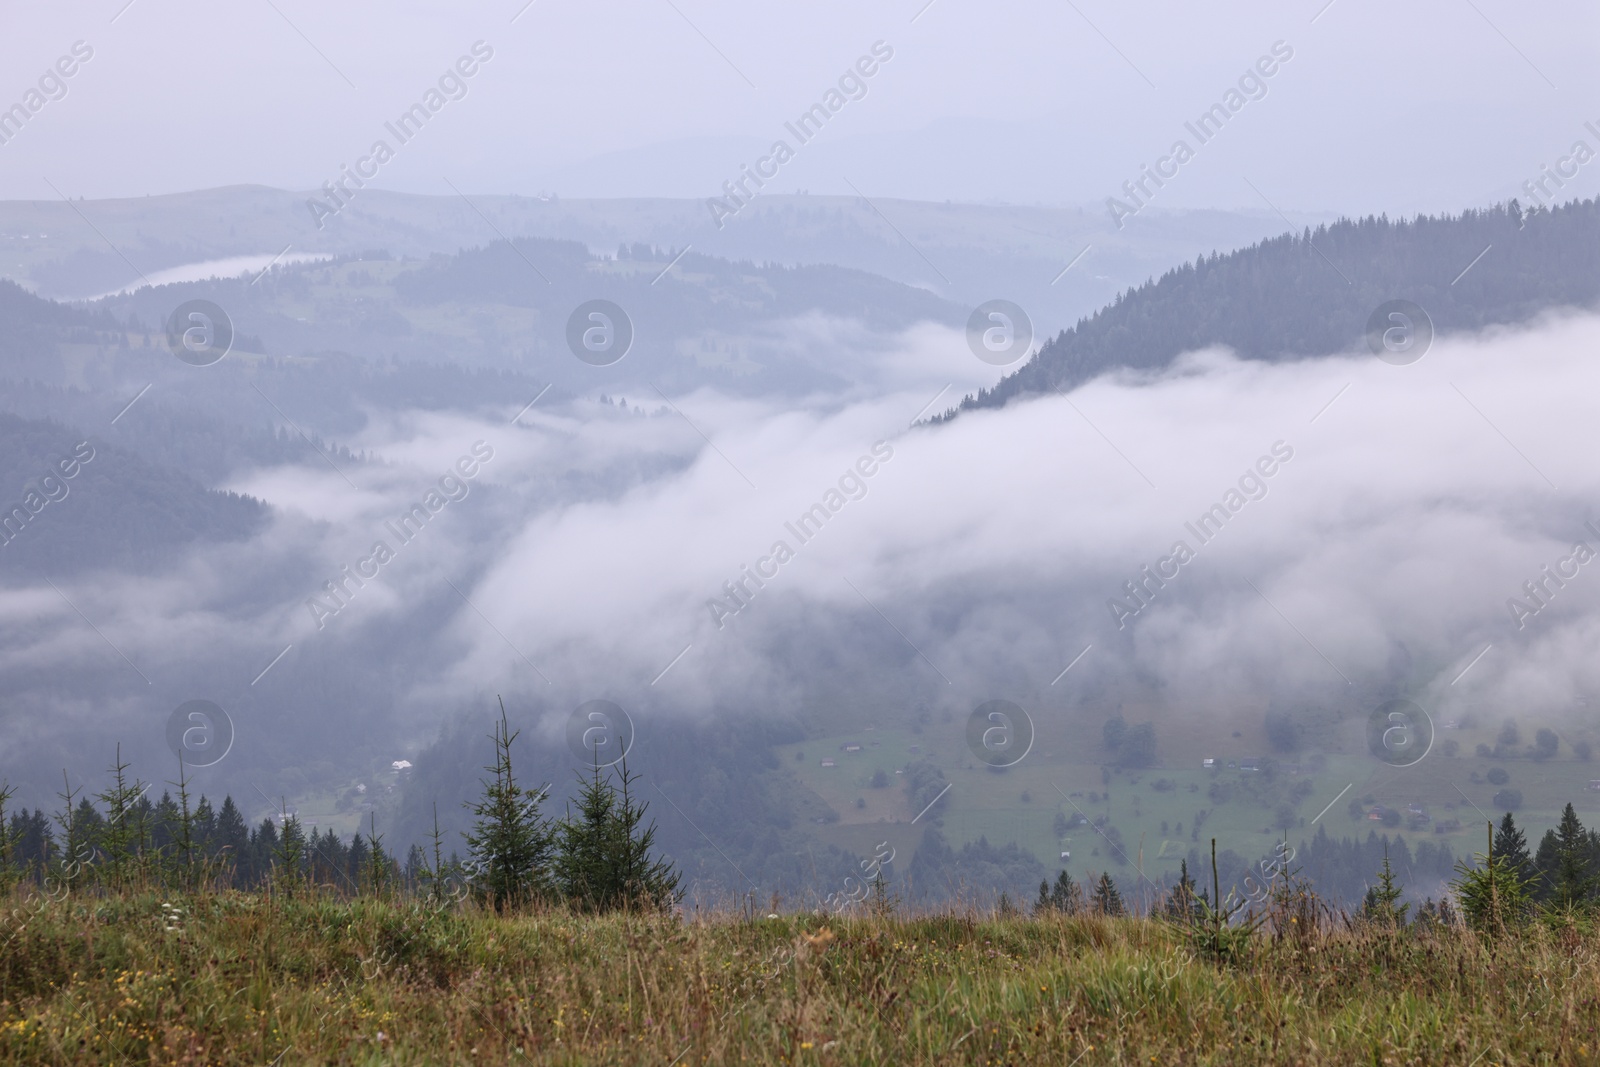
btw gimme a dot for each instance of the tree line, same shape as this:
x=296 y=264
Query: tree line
x=599 y=856
x=1560 y=879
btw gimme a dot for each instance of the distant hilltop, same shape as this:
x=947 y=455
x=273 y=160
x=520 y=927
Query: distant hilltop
x=1312 y=293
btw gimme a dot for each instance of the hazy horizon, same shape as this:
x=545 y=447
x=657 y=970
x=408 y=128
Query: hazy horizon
x=1023 y=104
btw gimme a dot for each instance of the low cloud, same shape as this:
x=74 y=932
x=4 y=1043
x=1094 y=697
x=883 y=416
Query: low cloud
x=1418 y=500
x=978 y=564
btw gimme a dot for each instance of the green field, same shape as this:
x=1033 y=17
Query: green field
x=1020 y=804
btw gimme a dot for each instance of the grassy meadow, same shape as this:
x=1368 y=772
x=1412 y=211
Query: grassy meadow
x=1069 y=771
x=232 y=978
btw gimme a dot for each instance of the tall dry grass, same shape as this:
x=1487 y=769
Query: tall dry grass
x=230 y=978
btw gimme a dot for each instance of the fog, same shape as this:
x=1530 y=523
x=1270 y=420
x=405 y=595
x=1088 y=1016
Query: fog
x=994 y=542
x=978 y=560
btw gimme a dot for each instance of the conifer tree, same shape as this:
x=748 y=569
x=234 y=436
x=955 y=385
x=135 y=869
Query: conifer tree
x=1511 y=847
x=88 y=824
x=646 y=882
x=1494 y=895
x=263 y=851
x=119 y=839
x=1574 y=876
x=436 y=873
x=1544 y=862
x=351 y=863
x=31 y=839
x=1107 y=900
x=1066 y=896
x=80 y=830
x=416 y=867
x=231 y=843
x=156 y=829
x=185 y=840
x=1381 y=904
x=378 y=861
x=510 y=841
x=1184 y=902
x=603 y=859
x=9 y=837
x=205 y=824
x=289 y=856
x=323 y=862
x=583 y=843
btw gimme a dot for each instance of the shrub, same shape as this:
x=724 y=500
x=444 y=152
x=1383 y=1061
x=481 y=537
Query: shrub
x=1138 y=746
x=1284 y=731
x=1114 y=731
x=1493 y=894
x=1498 y=776
x=1545 y=744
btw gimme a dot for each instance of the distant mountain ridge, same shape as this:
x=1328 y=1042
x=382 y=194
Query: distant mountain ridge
x=687 y=290
x=967 y=253
x=1311 y=294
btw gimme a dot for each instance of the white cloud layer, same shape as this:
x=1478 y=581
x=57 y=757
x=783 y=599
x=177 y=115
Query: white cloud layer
x=1417 y=501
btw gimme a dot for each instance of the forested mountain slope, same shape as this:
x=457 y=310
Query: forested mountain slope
x=73 y=502
x=1311 y=294
x=707 y=291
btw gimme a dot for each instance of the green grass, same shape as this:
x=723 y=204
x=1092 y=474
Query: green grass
x=243 y=979
x=1065 y=767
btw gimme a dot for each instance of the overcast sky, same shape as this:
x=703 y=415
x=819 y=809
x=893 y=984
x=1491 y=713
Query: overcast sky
x=1427 y=105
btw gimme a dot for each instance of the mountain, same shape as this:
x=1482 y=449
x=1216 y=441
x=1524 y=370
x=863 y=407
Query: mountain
x=697 y=321
x=318 y=347
x=706 y=292
x=31 y=327
x=966 y=252
x=74 y=503
x=1312 y=293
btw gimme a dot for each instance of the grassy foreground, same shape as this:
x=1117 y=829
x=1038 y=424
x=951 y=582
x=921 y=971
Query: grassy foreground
x=247 y=979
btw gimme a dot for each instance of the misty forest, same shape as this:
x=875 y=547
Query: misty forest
x=1052 y=607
